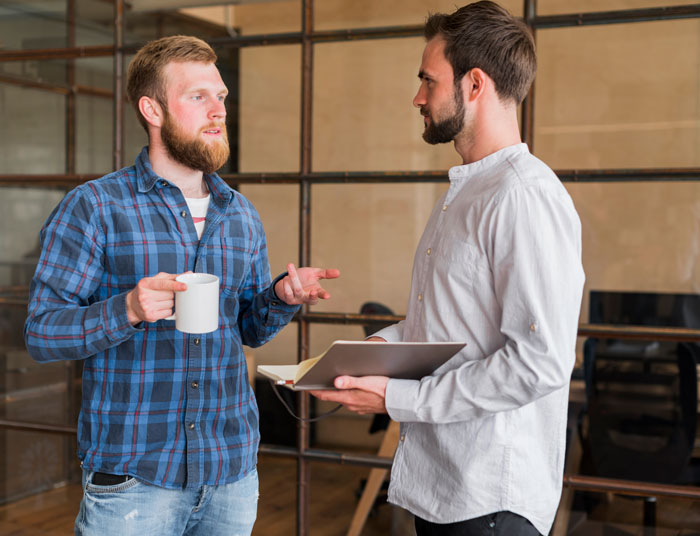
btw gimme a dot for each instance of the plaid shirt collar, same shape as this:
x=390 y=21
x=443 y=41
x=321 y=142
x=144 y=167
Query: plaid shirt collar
x=221 y=193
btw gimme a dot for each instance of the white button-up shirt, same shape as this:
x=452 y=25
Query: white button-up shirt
x=498 y=267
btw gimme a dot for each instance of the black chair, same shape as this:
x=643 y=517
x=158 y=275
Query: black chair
x=641 y=402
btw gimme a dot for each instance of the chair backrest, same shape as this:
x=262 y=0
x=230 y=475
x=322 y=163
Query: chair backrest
x=641 y=396
x=642 y=411
x=374 y=308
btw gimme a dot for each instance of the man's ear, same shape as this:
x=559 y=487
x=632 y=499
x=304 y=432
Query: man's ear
x=474 y=83
x=151 y=111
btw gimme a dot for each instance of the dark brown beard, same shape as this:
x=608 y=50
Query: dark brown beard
x=446 y=130
x=194 y=152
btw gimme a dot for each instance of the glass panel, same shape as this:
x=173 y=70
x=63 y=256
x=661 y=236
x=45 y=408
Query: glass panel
x=364 y=119
x=95 y=133
x=200 y=22
x=639 y=237
x=38 y=24
x=33 y=24
x=340 y=14
x=556 y=7
x=94 y=116
x=95 y=72
x=278 y=206
x=35 y=143
x=619 y=96
x=269 y=108
x=44 y=72
x=380 y=225
x=94 y=22
x=267 y=17
x=28 y=391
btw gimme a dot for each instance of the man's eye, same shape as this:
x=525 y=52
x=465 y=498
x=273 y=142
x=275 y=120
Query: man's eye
x=222 y=98
x=196 y=97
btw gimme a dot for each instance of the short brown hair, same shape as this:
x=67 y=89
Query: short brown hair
x=485 y=35
x=145 y=75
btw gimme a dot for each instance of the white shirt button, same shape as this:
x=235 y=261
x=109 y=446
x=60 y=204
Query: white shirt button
x=533 y=327
x=403 y=437
x=444 y=208
x=428 y=252
x=420 y=297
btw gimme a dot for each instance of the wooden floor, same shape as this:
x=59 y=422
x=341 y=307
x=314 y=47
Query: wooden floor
x=333 y=499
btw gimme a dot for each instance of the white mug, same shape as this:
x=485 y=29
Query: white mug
x=197 y=308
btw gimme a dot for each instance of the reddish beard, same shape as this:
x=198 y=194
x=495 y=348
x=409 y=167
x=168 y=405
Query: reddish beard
x=194 y=152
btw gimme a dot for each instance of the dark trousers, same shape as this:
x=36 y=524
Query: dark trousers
x=498 y=524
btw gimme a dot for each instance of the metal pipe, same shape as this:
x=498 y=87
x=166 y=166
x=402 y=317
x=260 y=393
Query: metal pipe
x=305 y=158
x=382 y=177
x=618 y=17
x=61 y=89
x=629 y=175
x=629 y=487
x=25 y=426
x=527 y=109
x=71 y=136
x=94 y=51
x=646 y=333
x=118 y=145
x=71 y=125
x=575 y=481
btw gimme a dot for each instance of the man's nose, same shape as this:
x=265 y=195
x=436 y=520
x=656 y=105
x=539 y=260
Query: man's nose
x=419 y=99
x=218 y=110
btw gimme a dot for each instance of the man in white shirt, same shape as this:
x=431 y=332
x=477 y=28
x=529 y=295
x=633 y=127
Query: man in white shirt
x=482 y=440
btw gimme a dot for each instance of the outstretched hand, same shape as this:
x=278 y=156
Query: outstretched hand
x=301 y=285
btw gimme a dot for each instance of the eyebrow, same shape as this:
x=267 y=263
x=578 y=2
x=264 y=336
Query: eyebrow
x=223 y=91
x=422 y=74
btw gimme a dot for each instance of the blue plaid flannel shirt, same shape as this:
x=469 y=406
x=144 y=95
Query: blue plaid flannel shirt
x=169 y=408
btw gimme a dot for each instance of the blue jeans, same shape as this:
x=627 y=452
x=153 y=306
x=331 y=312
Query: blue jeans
x=140 y=509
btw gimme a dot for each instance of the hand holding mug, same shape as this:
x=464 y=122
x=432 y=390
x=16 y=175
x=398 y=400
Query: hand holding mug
x=153 y=298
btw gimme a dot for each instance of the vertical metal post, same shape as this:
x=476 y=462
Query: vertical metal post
x=70 y=97
x=118 y=76
x=304 y=253
x=527 y=111
x=69 y=460
x=649 y=522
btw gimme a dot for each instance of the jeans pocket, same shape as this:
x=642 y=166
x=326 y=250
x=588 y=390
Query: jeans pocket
x=90 y=487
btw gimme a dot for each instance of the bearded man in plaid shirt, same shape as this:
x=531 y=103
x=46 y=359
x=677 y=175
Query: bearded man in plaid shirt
x=168 y=427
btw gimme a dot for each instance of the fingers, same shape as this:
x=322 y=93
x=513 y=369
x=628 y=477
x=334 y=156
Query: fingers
x=297 y=287
x=354 y=395
x=330 y=273
x=153 y=298
x=163 y=281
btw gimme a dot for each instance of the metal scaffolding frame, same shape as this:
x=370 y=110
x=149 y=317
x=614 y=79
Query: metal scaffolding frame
x=306 y=177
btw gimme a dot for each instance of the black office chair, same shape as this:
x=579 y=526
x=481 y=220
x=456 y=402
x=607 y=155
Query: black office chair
x=641 y=411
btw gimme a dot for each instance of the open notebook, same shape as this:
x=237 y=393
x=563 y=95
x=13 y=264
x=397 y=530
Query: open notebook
x=408 y=360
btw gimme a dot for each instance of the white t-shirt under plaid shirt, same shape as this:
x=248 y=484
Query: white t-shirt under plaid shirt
x=198 y=210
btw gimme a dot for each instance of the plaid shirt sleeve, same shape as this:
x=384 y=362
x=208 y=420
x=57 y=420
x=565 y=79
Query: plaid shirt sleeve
x=64 y=322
